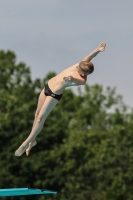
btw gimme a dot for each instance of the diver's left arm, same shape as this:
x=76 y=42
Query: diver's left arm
x=99 y=49
x=75 y=81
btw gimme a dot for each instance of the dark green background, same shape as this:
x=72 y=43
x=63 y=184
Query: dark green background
x=85 y=150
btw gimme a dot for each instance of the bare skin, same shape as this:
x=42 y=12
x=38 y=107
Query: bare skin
x=71 y=76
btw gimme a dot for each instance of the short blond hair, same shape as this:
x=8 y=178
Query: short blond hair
x=86 y=67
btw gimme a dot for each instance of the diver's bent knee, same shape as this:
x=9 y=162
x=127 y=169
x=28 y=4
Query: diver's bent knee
x=40 y=119
x=36 y=114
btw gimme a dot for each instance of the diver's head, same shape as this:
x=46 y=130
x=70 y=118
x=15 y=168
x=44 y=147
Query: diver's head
x=85 y=67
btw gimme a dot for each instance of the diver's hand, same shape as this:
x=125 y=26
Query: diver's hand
x=68 y=79
x=102 y=47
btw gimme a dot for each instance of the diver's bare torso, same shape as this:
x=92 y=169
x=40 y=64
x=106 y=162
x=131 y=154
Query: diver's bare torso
x=57 y=84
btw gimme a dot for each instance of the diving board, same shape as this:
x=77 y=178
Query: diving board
x=24 y=191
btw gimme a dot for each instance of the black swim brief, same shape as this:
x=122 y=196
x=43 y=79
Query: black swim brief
x=48 y=92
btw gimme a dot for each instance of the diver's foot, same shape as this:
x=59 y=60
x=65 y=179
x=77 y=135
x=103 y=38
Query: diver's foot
x=31 y=144
x=21 y=150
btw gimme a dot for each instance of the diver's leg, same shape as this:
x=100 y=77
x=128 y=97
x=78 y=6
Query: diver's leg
x=47 y=107
x=41 y=100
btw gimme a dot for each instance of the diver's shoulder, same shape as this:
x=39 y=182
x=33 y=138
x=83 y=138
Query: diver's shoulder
x=75 y=65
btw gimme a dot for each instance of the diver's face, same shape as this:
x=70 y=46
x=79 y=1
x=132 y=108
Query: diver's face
x=83 y=73
x=86 y=73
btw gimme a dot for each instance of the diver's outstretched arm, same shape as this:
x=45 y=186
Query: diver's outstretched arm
x=100 y=48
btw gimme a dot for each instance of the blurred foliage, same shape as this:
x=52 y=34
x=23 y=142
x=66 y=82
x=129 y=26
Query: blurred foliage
x=85 y=150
